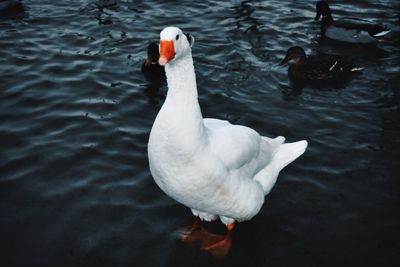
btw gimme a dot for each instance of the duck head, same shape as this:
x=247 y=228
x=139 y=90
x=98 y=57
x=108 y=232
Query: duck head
x=323 y=9
x=174 y=44
x=295 y=55
x=152 y=54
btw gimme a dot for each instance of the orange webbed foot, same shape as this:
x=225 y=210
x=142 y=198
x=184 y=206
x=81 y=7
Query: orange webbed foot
x=194 y=233
x=217 y=245
x=222 y=247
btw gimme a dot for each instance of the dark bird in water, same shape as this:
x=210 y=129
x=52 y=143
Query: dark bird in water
x=318 y=68
x=150 y=67
x=350 y=30
x=12 y=6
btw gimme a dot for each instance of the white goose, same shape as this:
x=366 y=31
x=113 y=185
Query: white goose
x=217 y=169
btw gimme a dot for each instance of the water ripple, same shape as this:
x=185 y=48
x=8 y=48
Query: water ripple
x=76 y=114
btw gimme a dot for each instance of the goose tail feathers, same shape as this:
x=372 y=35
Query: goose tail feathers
x=286 y=154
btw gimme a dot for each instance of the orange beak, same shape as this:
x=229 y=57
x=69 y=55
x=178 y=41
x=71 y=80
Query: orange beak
x=167 y=52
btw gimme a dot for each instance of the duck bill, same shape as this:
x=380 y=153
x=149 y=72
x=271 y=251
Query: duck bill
x=148 y=62
x=284 y=61
x=167 y=52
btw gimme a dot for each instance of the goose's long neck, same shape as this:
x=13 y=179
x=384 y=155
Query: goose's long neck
x=181 y=105
x=181 y=79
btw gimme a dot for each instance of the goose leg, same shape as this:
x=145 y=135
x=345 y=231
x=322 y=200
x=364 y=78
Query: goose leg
x=220 y=248
x=197 y=233
x=217 y=245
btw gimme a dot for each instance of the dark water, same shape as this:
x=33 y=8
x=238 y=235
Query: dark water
x=75 y=188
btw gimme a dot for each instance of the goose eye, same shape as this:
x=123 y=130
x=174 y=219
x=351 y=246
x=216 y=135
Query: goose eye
x=177 y=37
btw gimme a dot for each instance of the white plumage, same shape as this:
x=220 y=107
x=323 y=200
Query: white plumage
x=211 y=166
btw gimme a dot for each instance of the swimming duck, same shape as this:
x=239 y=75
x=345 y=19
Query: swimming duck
x=10 y=5
x=351 y=30
x=217 y=169
x=150 y=67
x=320 y=67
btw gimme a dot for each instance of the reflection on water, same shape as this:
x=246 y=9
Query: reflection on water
x=76 y=112
x=246 y=245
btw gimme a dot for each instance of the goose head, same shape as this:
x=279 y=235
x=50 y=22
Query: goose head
x=174 y=44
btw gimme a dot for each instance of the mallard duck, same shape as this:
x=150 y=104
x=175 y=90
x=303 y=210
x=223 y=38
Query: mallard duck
x=150 y=66
x=217 y=169
x=321 y=67
x=351 y=30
